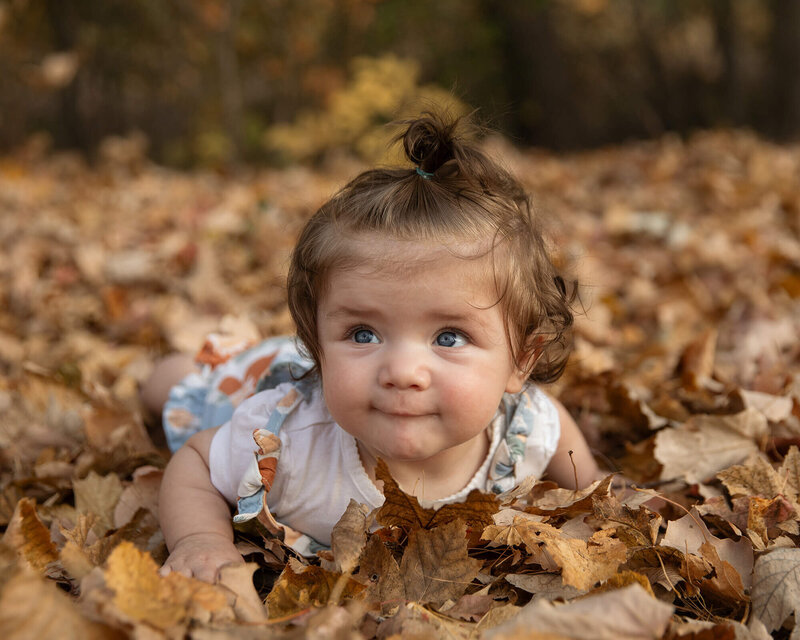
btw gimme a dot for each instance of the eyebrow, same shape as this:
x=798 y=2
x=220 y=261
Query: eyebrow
x=343 y=311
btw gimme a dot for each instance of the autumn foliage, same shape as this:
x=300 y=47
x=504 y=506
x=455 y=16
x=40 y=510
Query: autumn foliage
x=685 y=379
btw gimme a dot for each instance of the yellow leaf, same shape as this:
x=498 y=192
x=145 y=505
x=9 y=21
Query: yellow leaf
x=144 y=596
x=29 y=537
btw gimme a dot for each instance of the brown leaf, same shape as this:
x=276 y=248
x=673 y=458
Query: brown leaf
x=757 y=478
x=403 y=510
x=707 y=444
x=349 y=536
x=399 y=509
x=470 y=607
x=142 y=493
x=557 y=502
x=624 y=613
x=435 y=566
x=776 y=587
x=697 y=361
x=380 y=572
x=726 y=581
x=689 y=533
x=790 y=473
x=29 y=537
x=643 y=523
x=299 y=588
x=546 y=586
x=98 y=495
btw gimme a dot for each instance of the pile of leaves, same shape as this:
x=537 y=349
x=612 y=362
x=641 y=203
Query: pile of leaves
x=685 y=379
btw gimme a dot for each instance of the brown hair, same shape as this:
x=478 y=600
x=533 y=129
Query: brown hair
x=454 y=192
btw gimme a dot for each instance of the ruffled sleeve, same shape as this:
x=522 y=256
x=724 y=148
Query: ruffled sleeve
x=232 y=455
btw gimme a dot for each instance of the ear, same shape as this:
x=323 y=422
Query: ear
x=519 y=376
x=516 y=381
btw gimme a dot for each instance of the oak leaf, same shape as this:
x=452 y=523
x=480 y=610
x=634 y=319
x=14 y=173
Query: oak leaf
x=435 y=566
x=776 y=587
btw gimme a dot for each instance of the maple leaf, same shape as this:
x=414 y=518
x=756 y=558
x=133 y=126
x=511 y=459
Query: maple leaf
x=776 y=587
x=402 y=510
x=435 y=566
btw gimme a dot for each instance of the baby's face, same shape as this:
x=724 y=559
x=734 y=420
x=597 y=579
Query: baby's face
x=415 y=354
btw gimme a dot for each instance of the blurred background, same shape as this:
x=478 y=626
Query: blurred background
x=213 y=82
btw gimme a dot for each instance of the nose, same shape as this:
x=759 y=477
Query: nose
x=404 y=368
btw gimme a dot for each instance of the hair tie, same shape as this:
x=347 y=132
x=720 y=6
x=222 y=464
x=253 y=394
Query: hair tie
x=425 y=174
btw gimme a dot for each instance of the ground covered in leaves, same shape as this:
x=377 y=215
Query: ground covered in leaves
x=685 y=377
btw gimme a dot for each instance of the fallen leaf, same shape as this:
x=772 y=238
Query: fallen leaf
x=627 y=613
x=435 y=566
x=776 y=587
x=380 y=572
x=29 y=537
x=247 y=605
x=299 y=588
x=706 y=444
x=349 y=536
x=689 y=533
x=757 y=478
x=545 y=586
x=32 y=607
x=144 y=596
x=557 y=502
x=583 y=564
x=98 y=495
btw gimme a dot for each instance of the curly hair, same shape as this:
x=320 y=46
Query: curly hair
x=453 y=192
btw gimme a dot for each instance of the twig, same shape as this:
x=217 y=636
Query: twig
x=574 y=469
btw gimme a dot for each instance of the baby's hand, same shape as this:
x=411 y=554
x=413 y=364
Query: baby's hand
x=201 y=555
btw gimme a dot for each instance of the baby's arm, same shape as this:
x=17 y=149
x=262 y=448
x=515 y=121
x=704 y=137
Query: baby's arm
x=194 y=517
x=560 y=469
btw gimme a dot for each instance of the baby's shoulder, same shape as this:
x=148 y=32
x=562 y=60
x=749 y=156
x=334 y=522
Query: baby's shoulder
x=288 y=408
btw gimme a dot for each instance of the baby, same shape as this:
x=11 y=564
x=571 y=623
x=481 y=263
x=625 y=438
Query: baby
x=427 y=309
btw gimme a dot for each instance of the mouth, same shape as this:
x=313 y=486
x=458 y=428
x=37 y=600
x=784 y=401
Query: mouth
x=401 y=413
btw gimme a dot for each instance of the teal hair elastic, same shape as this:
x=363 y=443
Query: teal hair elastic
x=425 y=174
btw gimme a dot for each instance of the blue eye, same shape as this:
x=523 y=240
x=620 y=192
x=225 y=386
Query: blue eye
x=365 y=336
x=450 y=339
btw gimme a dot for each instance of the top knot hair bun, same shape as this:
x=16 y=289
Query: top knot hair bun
x=429 y=142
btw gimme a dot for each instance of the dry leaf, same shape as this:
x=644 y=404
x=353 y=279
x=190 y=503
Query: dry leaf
x=628 y=614
x=544 y=586
x=706 y=444
x=558 y=502
x=757 y=478
x=583 y=564
x=144 y=596
x=349 y=536
x=380 y=572
x=776 y=587
x=299 y=588
x=435 y=566
x=33 y=608
x=689 y=533
x=29 y=537
x=142 y=493
x=98 y=495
